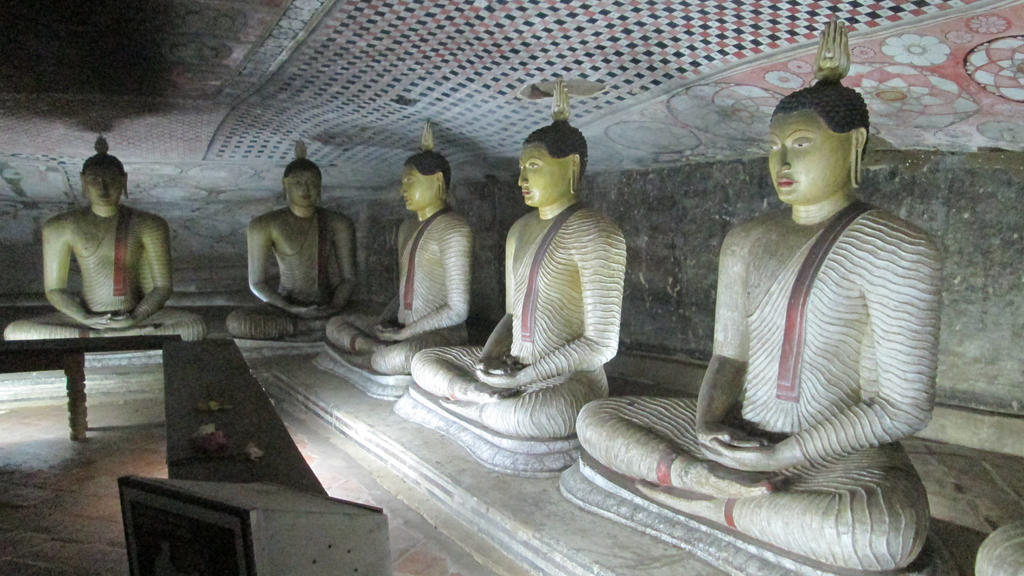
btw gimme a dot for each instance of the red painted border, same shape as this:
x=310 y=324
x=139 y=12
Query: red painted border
x=410 y=268
x=120 y=287
x=529 y=313
x=788 y=382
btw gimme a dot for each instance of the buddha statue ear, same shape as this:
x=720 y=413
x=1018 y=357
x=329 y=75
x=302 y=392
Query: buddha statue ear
x=442 y=191
x=574 y=174
x=858 y=137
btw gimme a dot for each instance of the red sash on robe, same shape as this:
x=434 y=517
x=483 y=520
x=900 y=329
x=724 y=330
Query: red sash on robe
x=788 y=383
x=530 y=298
x=124 y=217
x=323 y=255
x=410 y=267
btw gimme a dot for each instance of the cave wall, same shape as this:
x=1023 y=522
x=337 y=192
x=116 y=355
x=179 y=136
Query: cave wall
x=674 y=220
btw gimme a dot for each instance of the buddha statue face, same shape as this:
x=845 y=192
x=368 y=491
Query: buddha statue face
x=547 y=181
x=104 y=186
x=422 y=192
x=302 y=189
x=808 y=162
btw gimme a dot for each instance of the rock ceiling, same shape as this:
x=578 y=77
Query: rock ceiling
x=209 y=95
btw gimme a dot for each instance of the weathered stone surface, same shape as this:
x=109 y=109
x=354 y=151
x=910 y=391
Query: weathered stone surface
x=528 y=458
x=252 y=349
x=1002 y=553
x=608 y=494
x=967 y=203
x=526 y=518
x=354 y=368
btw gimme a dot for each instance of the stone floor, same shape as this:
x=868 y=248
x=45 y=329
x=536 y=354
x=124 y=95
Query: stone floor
x=970 y=493
x=59 y=510
x=59 y=507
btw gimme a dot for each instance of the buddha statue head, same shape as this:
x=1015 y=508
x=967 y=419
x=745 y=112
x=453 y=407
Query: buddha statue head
x=426 y=176
x=301 y=182
x=818 y=134
x=104 y=180
x=553 y=159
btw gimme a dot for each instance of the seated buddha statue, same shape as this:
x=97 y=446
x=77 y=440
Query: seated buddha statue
x=434 y=253
x=825 y=350
x=1002 y=552
x=124 y=256
x=314 y=251
x=564 y=268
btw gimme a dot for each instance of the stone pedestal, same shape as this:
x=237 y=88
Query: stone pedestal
x=253 y=349
x=607 y=493
x=1002 y=553
x=527 y=520
x=505 y=454
x=355 y=368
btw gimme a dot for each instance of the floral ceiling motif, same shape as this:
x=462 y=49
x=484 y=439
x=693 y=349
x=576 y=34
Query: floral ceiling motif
x=685 y=81
x=998 y=66
x=954 y=84
x=902 y=95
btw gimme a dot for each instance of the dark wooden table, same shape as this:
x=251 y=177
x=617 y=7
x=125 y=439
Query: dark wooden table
x=194 y=374
x=68 y=354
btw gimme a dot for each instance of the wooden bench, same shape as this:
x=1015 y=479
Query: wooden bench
x=68 y=354
x=198 y=372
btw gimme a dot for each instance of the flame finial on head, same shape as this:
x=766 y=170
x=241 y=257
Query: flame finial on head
x=101 y=160
x=428 y=162
x=427 y=138
x=560 y=104
x=832 y=62
x=301 y=163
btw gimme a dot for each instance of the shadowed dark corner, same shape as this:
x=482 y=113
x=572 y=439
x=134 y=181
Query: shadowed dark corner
x=88 y=63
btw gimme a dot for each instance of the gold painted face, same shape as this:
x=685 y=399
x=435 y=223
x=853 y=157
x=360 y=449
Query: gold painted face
x=546 y=181
x=302 y=188
x=421 y=192
x=808 y=162
x=103 y=186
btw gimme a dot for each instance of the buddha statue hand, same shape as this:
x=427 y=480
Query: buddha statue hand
x=481 y=393
x=120 y=321
x=107 y=320
x=505 y=372
x=734 y=483
x=389 y=332
x=498 y=365
x=312 y=310
x=699 y=479
x=96 y=321
x=746 y=454
x=709 y=433
x=490 y=365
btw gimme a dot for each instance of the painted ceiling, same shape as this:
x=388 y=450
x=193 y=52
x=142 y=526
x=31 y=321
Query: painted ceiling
x=207 y=97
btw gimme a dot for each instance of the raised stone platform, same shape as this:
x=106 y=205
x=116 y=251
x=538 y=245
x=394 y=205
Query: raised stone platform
x=969 y=491
x=355 y=369
x=527 y=518
x=607 y=493
x=256 y=349
x=505 y=454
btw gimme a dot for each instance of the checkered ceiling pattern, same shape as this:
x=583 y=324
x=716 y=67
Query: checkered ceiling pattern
x=684 y=80
x=364 y=81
